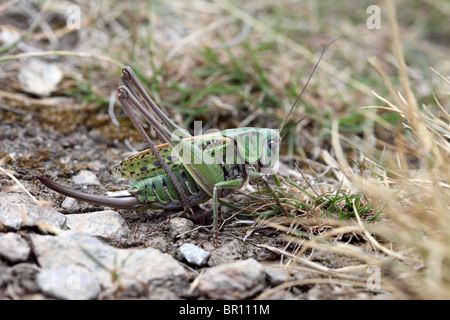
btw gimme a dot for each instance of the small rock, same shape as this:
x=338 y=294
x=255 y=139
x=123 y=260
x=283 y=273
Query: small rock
x=156 y=270
x=194 y=255
x=179 y=225
x=39 y=77
x=70 y=205
x=17 y=213
x=276 y=276
x=86 y=177
x=107 y=224
x=68 y=282
x=137 y=270
x=238 y=280
x=8 y=36
x=319 y=292
x=13 y=248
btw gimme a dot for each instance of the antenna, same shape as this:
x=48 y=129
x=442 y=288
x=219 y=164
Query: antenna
x=306 y=84
x=291 y=126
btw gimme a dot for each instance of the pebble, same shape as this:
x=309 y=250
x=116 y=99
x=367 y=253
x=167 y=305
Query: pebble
x=194 y=255
x=86 y=177
x=39 y=77
x=107 y=224
x=70 y=205
x=179 y=226
x=276 y=276
x=239 y=280
x=16 y=212
x=137 y=271
x=13 y=247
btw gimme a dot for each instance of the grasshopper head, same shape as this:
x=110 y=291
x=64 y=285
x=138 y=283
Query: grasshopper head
x=258 y=146
x=269 y=159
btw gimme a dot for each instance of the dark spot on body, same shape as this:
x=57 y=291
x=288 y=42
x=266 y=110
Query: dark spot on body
x=144 y=168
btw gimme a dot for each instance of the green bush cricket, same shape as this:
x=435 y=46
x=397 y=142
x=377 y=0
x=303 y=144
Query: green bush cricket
x=185 y=170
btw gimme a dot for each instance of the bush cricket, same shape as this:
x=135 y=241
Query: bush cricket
x=185 y=170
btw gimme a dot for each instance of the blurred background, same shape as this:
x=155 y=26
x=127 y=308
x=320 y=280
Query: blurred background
x=226 y=63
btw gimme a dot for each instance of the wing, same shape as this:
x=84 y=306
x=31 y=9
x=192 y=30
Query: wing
x=144 y=163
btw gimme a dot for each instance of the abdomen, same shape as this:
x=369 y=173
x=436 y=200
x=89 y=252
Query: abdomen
x=159 y=193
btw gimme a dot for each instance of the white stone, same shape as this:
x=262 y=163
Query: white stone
x=194 y=255
x=238 y=280
x=107 y=223
x=86 y=177
x=68 y=282
x=137 y=270
x=39 y=77
x=13 y=247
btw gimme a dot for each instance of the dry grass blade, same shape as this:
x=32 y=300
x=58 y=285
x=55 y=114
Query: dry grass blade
x=374 y=242
x=441 y=76
x=303 y=282
x=63 y=53
x=9 y=174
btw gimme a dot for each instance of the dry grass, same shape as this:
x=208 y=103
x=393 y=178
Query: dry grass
x=373 y=153
x=410 y=182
